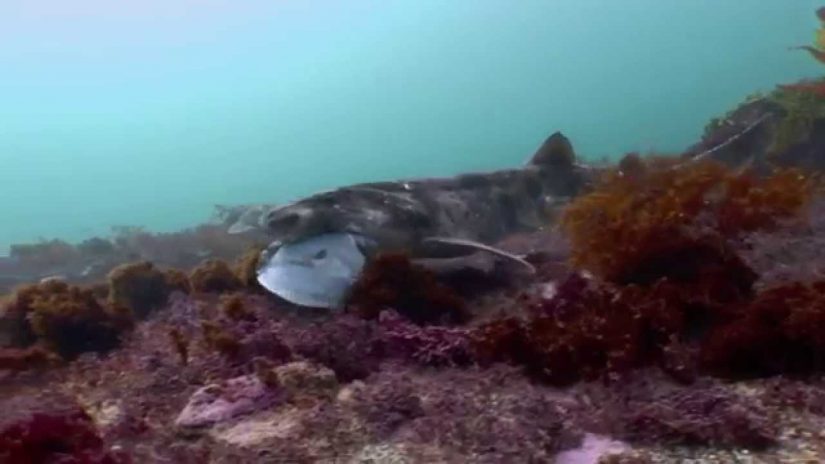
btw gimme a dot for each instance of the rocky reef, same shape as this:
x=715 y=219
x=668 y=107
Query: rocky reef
x=677 y=314
x=91 y=260
x=683 y=340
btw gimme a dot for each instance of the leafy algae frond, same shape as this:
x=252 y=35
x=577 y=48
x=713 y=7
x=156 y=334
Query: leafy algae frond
x=817 y=51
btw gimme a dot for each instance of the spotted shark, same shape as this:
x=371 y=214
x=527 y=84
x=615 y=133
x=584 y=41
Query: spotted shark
x=240 y=219
x=429 y=218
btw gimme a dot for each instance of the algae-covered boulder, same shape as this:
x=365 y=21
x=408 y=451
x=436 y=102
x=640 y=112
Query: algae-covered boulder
x=220 y=402
x=214 y=275
x=785 y=127
x=67 y=319
x=142 y=287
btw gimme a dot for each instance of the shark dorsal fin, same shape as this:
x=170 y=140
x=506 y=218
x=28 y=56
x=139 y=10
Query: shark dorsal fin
x=556 y=151
x=477 y=246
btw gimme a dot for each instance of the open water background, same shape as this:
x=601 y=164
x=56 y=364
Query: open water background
x=149 y=112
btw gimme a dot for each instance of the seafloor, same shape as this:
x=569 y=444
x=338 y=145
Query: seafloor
x=677 y=316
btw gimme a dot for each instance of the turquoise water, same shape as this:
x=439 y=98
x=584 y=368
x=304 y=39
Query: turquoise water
x=148 y=112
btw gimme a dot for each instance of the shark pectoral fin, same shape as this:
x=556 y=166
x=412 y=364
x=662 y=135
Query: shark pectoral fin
x=482 y=264
x=477 y=246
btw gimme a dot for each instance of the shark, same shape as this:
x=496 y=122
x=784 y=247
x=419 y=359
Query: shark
x=431 y=219
x=240 y=219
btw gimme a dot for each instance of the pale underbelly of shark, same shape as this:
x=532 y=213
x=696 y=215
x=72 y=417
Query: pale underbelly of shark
x=317 y=272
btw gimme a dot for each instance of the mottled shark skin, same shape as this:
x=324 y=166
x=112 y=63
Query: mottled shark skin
x=440 y=217
x=240 y=219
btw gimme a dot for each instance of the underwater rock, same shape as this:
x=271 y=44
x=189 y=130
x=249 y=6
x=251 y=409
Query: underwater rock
x=395 y=453
x=387 y=404
x=67 y=319
x=344 y=343
x=702 y=416
x=283 y=424
x=50 y=428
x=791 y=254
x=306 y=378
x=142 y=287
x=220 y=402
x=96 y=246
x=593 y=449
x=799 y=395
x=785 y=127
x=214 y=276
x=483 y=416
x=51 y=253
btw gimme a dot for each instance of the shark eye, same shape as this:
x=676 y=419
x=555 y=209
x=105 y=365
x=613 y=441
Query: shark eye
x=320 y=255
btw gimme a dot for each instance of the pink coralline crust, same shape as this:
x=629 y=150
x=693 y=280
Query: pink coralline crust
x=387 y=404
x=51 y=428
x=713 y=417
x=491 y=415
x=800 y=396
x=794 y=253
x=645 y=408
x=264 y=343
x=261 y=338
x=220 y=402
x=257 y=338
x=344 y=343
x=429 y=345
x=419 y=385
x=182 y=311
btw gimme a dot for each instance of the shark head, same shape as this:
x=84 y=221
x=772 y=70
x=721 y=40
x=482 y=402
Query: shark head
x=248 y=220
x=291 y=223
x=321 y=243
x=388 y=217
